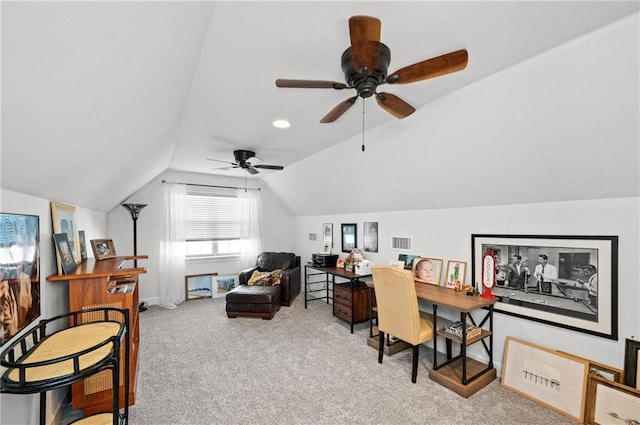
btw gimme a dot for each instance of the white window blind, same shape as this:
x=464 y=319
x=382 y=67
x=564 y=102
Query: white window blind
x=213 y=216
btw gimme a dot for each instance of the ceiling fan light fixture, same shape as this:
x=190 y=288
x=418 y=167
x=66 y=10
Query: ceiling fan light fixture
x=281 y=124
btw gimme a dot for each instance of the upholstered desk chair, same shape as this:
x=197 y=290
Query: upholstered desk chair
x=398 y=313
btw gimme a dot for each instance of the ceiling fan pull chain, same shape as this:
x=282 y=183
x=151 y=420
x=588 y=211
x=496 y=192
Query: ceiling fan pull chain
x=363 y=102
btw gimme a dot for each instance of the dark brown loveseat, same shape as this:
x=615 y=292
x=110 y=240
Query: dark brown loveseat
x=288 y=262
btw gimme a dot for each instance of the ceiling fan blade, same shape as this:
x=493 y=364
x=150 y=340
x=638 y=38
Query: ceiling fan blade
x=364 y=32
x=251 y=169
x=430 y=68
x=394 y=105
x=310 y=84
x=219 y=160
x=269 y=167
x=337 y=112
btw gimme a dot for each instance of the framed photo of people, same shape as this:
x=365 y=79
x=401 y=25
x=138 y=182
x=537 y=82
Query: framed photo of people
x=565 y=281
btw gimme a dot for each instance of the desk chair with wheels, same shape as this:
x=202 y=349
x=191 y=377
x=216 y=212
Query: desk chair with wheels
x=398 y=313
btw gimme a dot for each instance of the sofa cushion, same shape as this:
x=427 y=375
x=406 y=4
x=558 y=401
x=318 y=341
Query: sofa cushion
x=268 y=261
x=265 y=278
x=247 y=295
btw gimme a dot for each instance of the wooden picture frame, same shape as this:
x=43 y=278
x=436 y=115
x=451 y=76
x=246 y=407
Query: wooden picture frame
x=632 y=363
x=65 y=220
x=571 y=299
x=63 y=249
x=549 y=377
x=611 y=402
x=456 y=274
x=103 y=249
x=199 y=286
x=349 y=236
x=431 y=274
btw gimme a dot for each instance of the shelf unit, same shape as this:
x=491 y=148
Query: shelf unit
x=66 y=349
x=91 y=286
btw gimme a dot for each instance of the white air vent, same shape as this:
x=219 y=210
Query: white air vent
x=401 y=243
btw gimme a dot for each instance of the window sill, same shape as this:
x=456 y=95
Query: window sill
x=212 y=258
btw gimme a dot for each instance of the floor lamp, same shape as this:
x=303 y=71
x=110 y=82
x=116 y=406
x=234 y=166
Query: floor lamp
x=134 y=209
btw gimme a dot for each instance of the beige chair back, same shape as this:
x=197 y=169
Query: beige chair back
x=397 y=302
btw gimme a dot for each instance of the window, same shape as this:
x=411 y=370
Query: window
x=213 y=222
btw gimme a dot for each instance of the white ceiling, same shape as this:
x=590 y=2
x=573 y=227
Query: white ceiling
x=98 y=98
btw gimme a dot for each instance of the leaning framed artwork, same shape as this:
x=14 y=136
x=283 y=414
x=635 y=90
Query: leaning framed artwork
x=552 y=378
x=64 y=251
x=611 y=402
x=456 y=273
x=565 y=281
x=19 y=272
x=632 y=363
x=64 y=220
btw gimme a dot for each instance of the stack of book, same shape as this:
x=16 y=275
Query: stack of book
x=456 y=329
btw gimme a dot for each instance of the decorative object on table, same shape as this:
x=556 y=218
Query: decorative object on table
x=349 y=236
x=63 y=248
x=340 y=263
x=103 y=249
x=19 y=286
x=555 y=379
x=427 y=270
x=64 y=220
x=353 y=259
x=632 y=363
x=134 y=209
x=579 y=269
x=327 y=233
x=488 y=274
x=408 y=260
x=371 y=236
x=363 y=267
x=610 y=402
x=456 y=273
x=83 y=245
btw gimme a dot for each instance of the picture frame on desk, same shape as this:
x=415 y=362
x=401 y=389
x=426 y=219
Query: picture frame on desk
x=552 y=378
x=427 y=270
x=67 y=262
x=64 y=220
x=456 y=274
x=579 y=286
x=103 y=249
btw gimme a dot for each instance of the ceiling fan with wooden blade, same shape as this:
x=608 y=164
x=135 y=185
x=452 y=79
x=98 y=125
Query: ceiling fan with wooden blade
x=242 y=157
x=365 y=65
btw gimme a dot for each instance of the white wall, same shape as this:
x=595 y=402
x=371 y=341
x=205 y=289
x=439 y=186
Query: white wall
x=447 y=233
x=23 y=409
x=277 y=233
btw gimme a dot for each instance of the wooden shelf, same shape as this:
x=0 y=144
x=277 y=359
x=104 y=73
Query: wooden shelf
x=450 y=376
x=470 y=340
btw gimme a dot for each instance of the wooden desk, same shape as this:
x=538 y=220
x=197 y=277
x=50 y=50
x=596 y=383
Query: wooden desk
x=454 y=373
x=88 y=288
x=350 y=299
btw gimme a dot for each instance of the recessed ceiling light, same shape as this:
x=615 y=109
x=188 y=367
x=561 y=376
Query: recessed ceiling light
x=281 y=124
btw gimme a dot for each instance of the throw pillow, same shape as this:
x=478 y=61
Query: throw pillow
x=265 y=278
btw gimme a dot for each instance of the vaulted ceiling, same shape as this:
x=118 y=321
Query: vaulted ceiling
x=98 y=98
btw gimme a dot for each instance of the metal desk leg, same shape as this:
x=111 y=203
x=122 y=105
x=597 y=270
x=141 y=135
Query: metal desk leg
x=435 y=337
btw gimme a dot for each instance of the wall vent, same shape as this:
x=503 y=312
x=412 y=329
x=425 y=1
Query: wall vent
x=400 y=243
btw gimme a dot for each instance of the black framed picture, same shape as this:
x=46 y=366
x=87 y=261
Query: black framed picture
x=565 y=281
x=349 y=236
x=632 y=363
x=63 y=247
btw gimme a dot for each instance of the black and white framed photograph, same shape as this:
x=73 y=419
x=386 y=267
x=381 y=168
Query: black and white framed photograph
x=371 y=236
x=565 y=281
x=349 y=236
x=327 y=233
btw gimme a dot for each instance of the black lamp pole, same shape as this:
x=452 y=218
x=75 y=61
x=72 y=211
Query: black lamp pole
x=134 y=209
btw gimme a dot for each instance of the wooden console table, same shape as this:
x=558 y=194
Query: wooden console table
x=350 y=299
x=92 y=285
x=460 y=374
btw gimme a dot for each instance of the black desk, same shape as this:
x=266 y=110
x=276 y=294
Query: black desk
x=351 y=300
